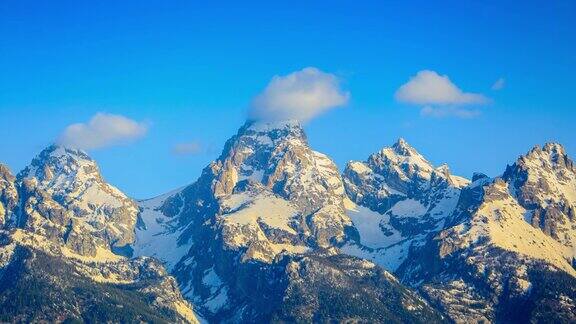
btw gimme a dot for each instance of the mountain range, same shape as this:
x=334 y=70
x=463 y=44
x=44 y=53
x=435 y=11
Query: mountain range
x=272 y=231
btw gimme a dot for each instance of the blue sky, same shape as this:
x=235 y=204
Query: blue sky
x=190 y=71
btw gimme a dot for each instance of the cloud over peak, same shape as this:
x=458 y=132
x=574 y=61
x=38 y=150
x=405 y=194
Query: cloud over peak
x=439 y=96
x=102 y=130
x=301 y=95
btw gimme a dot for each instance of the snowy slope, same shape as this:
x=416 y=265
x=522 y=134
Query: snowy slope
x=157 y=235
x=500 y=221
x=378 y=242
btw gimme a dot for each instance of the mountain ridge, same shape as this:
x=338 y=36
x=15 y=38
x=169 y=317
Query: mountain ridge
x=272 y=231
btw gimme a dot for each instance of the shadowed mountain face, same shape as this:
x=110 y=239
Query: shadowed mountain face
x=271 y=232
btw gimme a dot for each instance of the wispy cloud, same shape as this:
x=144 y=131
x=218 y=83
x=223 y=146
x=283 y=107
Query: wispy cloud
x=301 y=95
x=102 y=130
x=499 y=84
x=439 y=97
x=188 y=148
x=446 y=111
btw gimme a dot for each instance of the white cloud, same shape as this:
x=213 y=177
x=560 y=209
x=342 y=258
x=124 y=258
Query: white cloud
x=189 y=148
x=499 y=84
x=439 y=96
x=102 y=130
x=301 y=95
x=428 y=87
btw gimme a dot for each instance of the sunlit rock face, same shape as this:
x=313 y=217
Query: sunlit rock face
x=493 y=261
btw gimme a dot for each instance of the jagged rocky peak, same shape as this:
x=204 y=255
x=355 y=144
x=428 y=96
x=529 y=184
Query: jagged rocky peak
x=8 y=195
x=544 y=165
x=276 y=155
x=407 y=199
x=395 y=173
x=402 y=159
x=248 y=155
x=66 y=199
x=57 y=161
x=266 y=166
x=519 y=229
x=402 y=147
x=544 y=182
x=64 y=221
x=551 y=154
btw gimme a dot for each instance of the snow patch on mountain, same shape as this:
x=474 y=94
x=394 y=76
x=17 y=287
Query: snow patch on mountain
x=158 y=235
x=408 y=208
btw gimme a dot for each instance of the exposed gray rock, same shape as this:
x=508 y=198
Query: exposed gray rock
x=8 y=196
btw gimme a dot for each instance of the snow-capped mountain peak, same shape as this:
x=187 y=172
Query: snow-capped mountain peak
x=61 y=169
x=551 y=154
x=402 y=160
x=402 y=147
x=58 y=160
x=72 y=230
x=402 y=193
x=90 y=212
x=267 y=195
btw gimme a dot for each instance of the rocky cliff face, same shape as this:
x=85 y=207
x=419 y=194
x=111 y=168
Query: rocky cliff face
x=8 y=196
x=266 y=193
x=275 y=158
x=544 y=183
